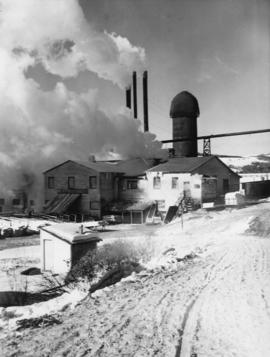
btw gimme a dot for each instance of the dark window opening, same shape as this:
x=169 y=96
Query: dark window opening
x=157 y=182
x=2 y=201
x=92 y=182
x=132 y=185
x=225 y=185
x=175 y=183
x=16 y=201
x=95 y=205
x=71 y=182
x=32 y=202
x=50 y=182
x=1 y=209
x=187 y=191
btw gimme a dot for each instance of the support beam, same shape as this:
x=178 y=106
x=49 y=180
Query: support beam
x=218 y=135
x=207 y=147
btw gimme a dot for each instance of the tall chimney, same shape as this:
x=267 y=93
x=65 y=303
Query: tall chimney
x=128 y=97
x=145 y=101
x=134 y=77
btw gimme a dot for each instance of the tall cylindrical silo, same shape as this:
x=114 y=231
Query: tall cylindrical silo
x=184 y=113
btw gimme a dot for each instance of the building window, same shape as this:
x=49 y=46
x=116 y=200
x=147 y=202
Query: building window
x=16 y=201
x=197 y=185
x=92 y=182
x=132 y=185
x=1 y=209
x=95 y=205
x=71 y=182
x=2 y=201
x=50 y=182
x=156 y=182
x=175 y=183
x=32 y=202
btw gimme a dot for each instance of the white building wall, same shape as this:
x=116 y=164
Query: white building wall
x=166 y=192
x=55 y=256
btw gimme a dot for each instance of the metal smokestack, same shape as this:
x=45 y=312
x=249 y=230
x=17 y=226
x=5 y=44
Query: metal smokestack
x=128 y=97
x=145 y=101
x=134 y=78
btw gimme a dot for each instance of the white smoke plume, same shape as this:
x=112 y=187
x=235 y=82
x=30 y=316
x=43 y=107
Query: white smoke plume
x=40 y=128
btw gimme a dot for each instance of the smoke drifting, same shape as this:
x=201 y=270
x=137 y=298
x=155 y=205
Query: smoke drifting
x=40 y=128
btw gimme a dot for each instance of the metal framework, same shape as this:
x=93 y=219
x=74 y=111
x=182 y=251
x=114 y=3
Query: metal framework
x=207 y=147
x=207 y=138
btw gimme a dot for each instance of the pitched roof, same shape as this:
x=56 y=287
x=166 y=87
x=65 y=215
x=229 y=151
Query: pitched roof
x=96 y=166
x=181 y=164
x=130 y=167
x=99 y=166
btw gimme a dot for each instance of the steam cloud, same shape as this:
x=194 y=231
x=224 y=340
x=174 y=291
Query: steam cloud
x=40 y=128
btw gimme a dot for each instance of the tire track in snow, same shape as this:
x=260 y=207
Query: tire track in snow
x=188 y=333
x=218 y=306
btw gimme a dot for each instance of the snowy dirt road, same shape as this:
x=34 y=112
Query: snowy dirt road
x=217 y=304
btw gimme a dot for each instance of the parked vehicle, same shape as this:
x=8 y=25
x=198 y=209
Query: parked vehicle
x=112 y=219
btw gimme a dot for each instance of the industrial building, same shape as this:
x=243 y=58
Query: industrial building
x=137 y=189
x=88 y=187
x=18 y=201
x=197 y=180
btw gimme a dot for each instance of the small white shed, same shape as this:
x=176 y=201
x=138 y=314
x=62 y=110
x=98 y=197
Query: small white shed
x=63 y=244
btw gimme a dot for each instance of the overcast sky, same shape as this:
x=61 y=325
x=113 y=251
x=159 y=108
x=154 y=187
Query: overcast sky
x=216 y=49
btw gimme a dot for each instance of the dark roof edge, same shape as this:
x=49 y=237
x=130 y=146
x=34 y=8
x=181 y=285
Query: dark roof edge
x=63 y=163
x=190 y=171
x=55 y=167
x=203 y=163
x=227 y=167
x=216 y=157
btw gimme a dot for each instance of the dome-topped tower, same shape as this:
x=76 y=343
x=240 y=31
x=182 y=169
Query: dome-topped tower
x=184 y=112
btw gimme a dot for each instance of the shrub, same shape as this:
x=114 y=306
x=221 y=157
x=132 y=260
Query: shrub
x=118 y=256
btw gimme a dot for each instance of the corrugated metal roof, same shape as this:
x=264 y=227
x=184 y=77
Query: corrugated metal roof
x=181 y=164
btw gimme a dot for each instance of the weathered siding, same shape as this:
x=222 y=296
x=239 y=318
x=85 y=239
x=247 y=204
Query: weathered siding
x=215 y=168
x=81 y=175
x=209 y=189
x=130 y=194
x=107 y=186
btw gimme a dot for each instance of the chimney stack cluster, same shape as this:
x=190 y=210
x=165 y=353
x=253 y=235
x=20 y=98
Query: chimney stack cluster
x=145 y=98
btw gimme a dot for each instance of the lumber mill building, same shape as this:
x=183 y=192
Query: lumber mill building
x=130 y=188
x=137 y=189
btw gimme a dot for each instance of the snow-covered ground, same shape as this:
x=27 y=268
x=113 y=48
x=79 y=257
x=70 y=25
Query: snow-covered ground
x=237 y=163
x=205 y=290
